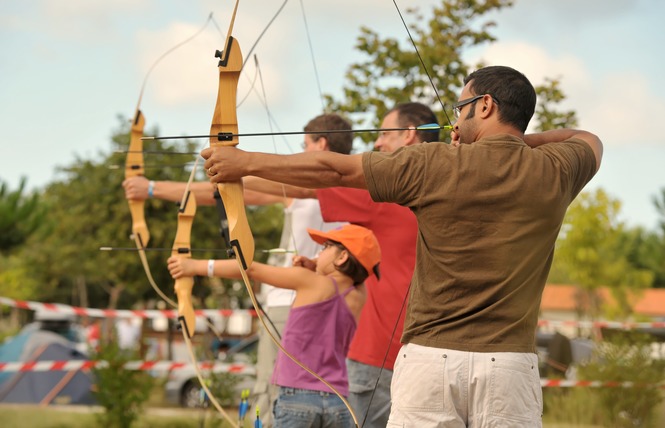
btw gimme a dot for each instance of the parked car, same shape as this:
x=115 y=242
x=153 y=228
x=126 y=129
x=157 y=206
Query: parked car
x=558 y=355
x=183 y=387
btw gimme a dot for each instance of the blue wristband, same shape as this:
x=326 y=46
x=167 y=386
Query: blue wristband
x=151 y=189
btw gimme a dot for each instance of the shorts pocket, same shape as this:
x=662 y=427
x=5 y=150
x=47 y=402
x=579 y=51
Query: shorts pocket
x=418 y=382
x=515 y=391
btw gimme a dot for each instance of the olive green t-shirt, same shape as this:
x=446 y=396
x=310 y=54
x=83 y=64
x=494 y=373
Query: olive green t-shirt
x=488 y=217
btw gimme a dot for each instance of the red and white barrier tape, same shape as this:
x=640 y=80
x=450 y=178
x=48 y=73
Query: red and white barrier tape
x=114 y=313
x=172 y=313
x=72 y=365
x=219 y=367
x=601 y=324
x=563 y=383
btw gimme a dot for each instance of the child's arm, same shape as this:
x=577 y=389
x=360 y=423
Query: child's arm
x=303 y=261
x=292 y=278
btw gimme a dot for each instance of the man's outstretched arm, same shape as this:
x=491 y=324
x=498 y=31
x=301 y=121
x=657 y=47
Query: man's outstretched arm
x=262 y=185
x=313 y=170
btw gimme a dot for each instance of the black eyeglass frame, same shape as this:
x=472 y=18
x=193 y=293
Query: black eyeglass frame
x=457 y=107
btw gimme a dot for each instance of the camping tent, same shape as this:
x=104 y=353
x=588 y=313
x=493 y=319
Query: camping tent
x=43 y=387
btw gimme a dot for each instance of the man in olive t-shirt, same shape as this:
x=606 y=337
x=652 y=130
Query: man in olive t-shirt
x=489 y=208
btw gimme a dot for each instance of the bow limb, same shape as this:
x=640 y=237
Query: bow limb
x=237 y=231
x=134 y=167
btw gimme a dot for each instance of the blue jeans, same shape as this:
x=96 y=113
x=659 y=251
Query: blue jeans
x=304 y=408
x=362 y=380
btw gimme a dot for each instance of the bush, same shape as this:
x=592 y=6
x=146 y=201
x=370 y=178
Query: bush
x=121 y=392
x=626 y=357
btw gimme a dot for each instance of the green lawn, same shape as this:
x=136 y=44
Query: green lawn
x=29 y=416
x=84 y=417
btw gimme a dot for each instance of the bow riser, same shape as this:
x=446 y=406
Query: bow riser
x=183 y=286
x=134 y=166
x=225 y=120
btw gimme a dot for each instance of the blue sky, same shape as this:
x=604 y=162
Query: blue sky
x=70 y=67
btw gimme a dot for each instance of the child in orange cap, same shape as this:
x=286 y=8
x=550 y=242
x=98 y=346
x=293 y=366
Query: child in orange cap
x=321 y=323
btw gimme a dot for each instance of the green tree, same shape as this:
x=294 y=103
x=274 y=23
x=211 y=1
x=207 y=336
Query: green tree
x=20 y=216
x=547 y=117
x=652 y=255
x=592 y=252
x=393 y=72
x=646 y=250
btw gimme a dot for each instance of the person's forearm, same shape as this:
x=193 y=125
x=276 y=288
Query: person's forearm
x=224 y=269
x=173 y=191
x=312 y=170
x=278 y=189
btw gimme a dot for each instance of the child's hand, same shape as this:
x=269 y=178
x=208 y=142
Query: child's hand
x=180 y=267
x=302 y=261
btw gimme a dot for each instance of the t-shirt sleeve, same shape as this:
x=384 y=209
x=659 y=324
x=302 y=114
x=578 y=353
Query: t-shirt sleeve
x=344 y=204
x=576 y=161
x=397 y=177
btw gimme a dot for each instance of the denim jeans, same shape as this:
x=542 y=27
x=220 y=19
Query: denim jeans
x=362 y=380
x=304 y=408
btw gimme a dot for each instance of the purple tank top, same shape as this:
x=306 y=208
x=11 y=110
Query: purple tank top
x=319 y=336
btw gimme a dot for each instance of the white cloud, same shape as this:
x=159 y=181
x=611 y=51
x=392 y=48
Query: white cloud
x=613 y=105
x=622 y=106
x=85 y=20
x=181 y=76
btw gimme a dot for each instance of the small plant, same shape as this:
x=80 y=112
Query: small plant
x=570 y=405
x=626 y=357
x=121 y=392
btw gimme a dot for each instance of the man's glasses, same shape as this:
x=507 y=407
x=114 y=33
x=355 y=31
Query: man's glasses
x=457 y=107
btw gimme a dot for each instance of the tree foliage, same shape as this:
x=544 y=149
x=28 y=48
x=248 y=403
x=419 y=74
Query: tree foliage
x=393 y=72
x=593 y=251
x=20 y=216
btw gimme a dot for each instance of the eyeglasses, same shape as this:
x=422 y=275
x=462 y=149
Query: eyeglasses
x=457 y=107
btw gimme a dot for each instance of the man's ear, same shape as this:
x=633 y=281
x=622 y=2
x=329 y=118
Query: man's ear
x=324 y=145
x=488 y=105
x=411 y=137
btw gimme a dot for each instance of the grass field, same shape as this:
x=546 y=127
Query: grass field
x=30 y=416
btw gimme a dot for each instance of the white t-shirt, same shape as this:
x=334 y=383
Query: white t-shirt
x=300 y=215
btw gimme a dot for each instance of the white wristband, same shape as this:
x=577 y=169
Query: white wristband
x=211 y=268
x=151 y=189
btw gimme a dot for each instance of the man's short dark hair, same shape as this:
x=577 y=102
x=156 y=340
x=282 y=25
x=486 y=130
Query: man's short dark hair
x=417 y=114
x=512 y=91
x=339 y=142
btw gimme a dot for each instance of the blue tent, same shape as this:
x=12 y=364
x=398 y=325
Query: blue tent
x=43 y=387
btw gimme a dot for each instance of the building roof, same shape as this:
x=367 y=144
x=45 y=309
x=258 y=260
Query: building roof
x=559 y=297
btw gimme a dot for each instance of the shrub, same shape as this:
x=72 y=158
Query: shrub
x=626 y=357
x=121 y=392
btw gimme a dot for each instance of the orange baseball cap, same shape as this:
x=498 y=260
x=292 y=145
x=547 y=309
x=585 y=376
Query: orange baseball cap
x=360 y=242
